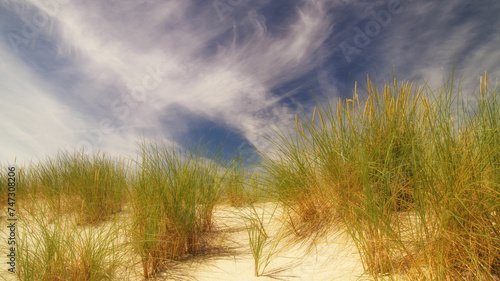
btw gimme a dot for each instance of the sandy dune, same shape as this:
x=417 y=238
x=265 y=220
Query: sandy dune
x=330 y=258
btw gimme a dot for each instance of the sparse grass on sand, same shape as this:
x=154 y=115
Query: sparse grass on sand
x=61 y=249
x=412 y=175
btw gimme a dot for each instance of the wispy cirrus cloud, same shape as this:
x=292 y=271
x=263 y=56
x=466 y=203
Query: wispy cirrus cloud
x=103 y=74
x=115 y=54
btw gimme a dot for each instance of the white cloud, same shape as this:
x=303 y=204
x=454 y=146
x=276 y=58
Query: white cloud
x=137 y=64
x=33 y=122
x=232 y=87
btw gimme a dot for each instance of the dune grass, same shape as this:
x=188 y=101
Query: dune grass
x=410 y=174
x=264 y=245
x=242 y=188
x=173 y=199
x=63 y=203
x=60 y=249
x=92 y=187
x=233 y=190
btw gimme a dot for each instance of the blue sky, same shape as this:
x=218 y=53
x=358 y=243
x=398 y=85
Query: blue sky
x=103 y=74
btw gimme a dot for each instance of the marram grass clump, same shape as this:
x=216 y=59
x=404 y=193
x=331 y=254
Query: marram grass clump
x=60 y=249
x=91 y=187
x=412 y=175
x=173 y=198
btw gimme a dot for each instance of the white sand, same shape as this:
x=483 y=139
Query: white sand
x=332 y=258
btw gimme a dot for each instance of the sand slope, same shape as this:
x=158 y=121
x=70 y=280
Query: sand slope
x=329 y=258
